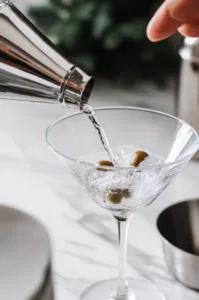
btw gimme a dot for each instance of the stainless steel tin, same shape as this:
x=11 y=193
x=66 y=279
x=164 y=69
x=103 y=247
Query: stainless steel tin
x=178 y=226
x=32 y=68
x=25 y=257
x=188 y=84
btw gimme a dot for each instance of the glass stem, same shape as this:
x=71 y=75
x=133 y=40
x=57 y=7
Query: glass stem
x=123 y=229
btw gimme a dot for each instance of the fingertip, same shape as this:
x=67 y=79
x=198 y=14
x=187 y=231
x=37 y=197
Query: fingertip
x=151 y=33
x=162 y=25
x=156 y=36
x=189 y=31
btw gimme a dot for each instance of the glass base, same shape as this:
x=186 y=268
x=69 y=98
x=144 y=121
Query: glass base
x=138 y=290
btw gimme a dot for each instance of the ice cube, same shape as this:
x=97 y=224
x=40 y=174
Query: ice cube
x=121 y=158
x=150 y=161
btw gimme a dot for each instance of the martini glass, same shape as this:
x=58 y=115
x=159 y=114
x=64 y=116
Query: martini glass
x=123 y=189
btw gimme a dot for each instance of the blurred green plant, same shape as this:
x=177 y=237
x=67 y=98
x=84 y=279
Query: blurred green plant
x=108 y=38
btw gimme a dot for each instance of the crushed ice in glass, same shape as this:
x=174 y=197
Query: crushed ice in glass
x=143 y=183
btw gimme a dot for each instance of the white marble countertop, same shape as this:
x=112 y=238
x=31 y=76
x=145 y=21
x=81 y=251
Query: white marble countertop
x=83 y=235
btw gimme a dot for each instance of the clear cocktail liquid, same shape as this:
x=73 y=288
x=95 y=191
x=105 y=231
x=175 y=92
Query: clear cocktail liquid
x=141 y=186
x=133 y=187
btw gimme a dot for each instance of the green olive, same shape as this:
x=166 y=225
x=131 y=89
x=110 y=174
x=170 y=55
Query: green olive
x=138 y=157
x=104 y=163
x=115 y=196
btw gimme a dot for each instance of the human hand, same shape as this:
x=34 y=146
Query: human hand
x=173 y=16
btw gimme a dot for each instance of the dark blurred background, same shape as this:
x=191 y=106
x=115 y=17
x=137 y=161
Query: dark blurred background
x=108 y=38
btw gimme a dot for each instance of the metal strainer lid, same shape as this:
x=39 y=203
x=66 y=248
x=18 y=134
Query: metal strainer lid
x=190 y=49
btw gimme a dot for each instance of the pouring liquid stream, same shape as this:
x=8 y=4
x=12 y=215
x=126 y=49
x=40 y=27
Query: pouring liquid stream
x=89 y=112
